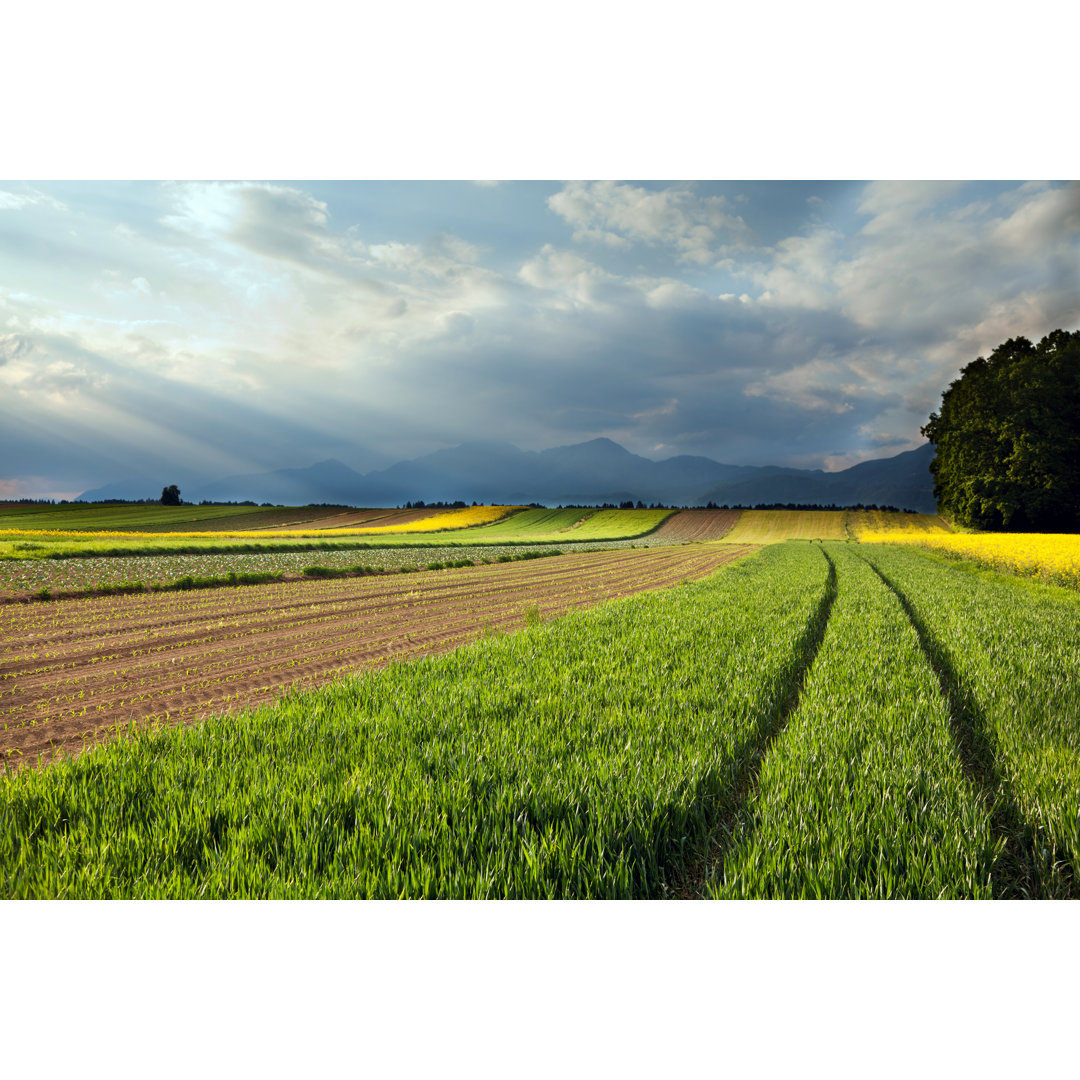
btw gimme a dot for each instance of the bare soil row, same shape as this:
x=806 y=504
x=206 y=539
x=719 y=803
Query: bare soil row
x=697 y=525
x=72 y=672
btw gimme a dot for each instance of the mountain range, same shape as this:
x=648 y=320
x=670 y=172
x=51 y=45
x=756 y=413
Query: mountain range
x=598 y=471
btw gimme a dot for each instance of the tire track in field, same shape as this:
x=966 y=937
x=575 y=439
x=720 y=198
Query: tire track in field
x=783 y=700
x=98 y=662
x=1014 y=872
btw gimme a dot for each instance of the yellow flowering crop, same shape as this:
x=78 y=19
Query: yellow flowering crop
x=455 y=519
x=1050 y=557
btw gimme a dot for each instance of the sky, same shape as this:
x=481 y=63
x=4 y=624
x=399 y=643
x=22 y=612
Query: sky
x=196 y=329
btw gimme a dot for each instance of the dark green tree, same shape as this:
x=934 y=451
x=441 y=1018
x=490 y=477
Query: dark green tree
x=170 y=496
x=1008 y=438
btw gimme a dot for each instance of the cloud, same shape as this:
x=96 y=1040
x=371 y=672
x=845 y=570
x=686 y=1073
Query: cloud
x=566 y=273
x=27 y=369
x=801 y=272
x=924 y=271
x=894 y=206
x=186 y=332
x=19 y=200
x=820 y=385
x=13 y=346
x=280 y=223
x=1045 y=222
x=696 y=229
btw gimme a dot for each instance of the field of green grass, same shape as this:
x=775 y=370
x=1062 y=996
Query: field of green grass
x=831 y=720
x=864 y=795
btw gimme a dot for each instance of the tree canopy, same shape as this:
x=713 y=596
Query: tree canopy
x=170 y=496
x=1008 y=438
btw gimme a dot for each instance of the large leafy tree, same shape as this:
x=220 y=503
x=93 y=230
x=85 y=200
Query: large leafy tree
x=1008 y=438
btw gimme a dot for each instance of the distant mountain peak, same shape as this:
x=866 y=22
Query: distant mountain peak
x=594 y=447
x=598 y=470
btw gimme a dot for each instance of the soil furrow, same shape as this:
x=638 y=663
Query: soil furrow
x=134 y=642
x=215 y=650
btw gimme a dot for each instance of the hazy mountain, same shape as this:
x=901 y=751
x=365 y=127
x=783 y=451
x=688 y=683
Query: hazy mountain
x=595 y=471
x=140 y=487
x=903 y=481
x=329 y=481
x=324 y=482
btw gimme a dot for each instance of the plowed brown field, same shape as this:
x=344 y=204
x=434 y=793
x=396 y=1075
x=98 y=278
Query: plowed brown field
x=696 y=525
x=71 y=671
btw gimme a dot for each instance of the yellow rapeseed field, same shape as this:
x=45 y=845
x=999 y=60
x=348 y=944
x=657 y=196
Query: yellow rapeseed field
x=1050 y=557
x=456 y=519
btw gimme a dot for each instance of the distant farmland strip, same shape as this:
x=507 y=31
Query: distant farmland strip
x=441 y=519
x=697 y=525
x=358 y=518
x=525 y=522
x=574 y=525
x=861 y=523
x=305 y=519
x=92 y=518
x=71 y=669
x=403 y=529
x=773 y=526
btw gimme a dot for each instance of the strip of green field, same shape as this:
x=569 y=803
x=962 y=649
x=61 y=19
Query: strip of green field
x=775 y=526
x=579 y=758
x=864 y=795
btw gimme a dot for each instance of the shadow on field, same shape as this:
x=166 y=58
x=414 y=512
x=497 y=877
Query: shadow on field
x=1016 y=872
x=746 y=762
